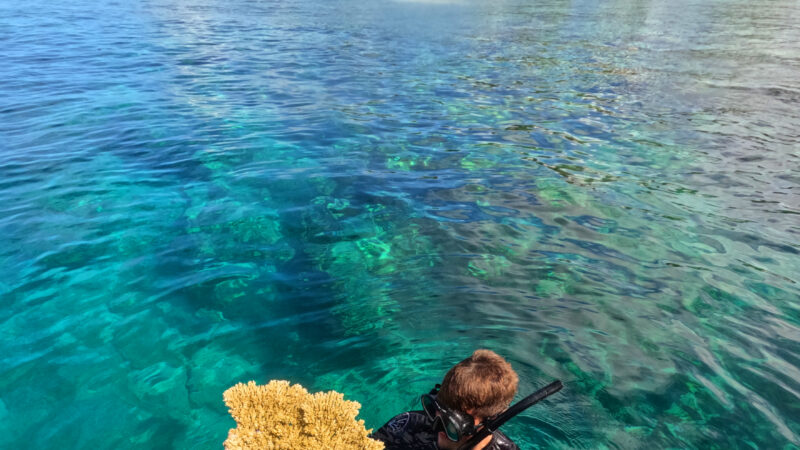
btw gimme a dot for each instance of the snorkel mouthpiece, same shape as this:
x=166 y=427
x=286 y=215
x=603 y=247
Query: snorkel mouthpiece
x=492 y=425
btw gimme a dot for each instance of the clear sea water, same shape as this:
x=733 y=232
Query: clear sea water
x=354 y=195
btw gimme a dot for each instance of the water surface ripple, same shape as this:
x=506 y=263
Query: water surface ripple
x=355 y=195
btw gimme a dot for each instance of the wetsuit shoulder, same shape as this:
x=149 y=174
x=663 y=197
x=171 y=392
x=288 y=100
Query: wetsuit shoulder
x=501 y=442
x=407 y=431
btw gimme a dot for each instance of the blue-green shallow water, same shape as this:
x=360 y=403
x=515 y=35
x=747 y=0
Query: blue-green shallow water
x=355 y=195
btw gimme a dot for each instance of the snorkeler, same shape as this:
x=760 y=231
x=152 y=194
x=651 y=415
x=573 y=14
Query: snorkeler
x=465 y=411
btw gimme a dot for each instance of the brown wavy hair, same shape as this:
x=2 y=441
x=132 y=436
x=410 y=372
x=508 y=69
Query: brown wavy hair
x=484 y=383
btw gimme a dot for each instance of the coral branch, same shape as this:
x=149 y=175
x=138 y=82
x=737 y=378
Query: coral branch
x=284 y=416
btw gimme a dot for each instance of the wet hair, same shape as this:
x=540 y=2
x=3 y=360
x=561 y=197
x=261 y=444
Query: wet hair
x=484 y=383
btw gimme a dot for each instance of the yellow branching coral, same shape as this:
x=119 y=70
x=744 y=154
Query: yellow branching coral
x=284 y=416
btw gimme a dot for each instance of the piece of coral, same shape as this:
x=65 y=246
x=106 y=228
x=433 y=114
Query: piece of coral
x=284 y=416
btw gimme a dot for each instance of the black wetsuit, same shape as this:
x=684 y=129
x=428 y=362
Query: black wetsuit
x=413 y=430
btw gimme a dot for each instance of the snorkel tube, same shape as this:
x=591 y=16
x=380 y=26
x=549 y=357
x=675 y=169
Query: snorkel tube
x=492 y=425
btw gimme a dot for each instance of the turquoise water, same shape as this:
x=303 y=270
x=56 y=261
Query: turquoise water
x=355 y=195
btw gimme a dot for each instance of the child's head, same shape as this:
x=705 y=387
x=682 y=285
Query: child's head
x=484 y=384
